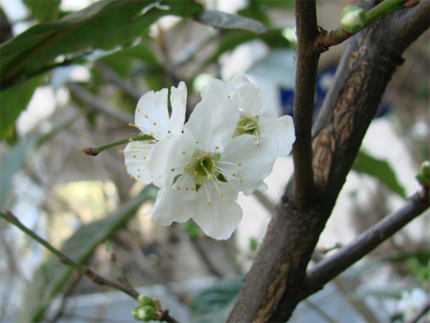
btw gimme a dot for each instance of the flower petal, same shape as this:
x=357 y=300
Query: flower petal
x=281 y=131
x=137 y=154
x=215 y=87
x=220 y=218
x=255 y=161
x=213 y=122
x=157 y=164
x=247 y=97
x=178 y=98
x=151 y=114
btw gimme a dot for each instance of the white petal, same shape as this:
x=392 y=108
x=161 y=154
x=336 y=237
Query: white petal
x=178 y=98
x=248 y=188
x=157 y=164
x=173 y=205
x=248 y=98
x=136 y=155
x=219 y=219
x=154 y=106
x=281 y=131
x=239 y=79
x=256 y=161
x=213 y=122
x=215 y=87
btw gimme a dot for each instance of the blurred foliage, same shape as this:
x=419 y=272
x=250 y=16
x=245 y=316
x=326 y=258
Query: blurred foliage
x=381 y=169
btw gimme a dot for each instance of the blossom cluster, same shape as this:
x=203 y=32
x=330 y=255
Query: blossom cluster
x=228 y=145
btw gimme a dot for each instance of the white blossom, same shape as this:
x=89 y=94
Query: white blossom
x=152 y=118
x=207 y=168
x=262 y=124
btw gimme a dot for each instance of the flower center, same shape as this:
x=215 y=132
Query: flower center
x=247 y=125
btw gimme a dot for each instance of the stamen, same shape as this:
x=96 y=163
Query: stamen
x=130 y=124
x=208 y=203
x=131 y=139
x=220 y=195
x=213 y=188
x=197 y=141
x=240 y=181
x=138 y=169
x=125 y=166
x=138 y=176
x=178 y=188
x=120 y=151
x=144 y=157
x=239 y=164
x=134 y=156
x=183 y=152
x=131 y=176
x=172 y=169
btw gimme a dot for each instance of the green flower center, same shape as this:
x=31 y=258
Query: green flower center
x=247 y=125
x=202 y=166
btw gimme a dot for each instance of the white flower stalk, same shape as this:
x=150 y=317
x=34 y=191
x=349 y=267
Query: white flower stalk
x=206 y=169
x=152 y=118
x=262 y=124
x=353 y=19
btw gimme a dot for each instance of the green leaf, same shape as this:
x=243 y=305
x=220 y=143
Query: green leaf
x=12 y=102
x=224 y=20
x=43 y=10
x=380 y=169
x=52 y=275
x=103 y=25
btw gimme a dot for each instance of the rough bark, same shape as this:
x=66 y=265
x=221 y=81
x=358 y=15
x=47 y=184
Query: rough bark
x=271 y=290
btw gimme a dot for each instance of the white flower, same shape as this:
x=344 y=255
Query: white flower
x=206 y=168
x=411 y=302
x=262 y=124
x=152 y=118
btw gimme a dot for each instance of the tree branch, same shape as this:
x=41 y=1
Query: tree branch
x=100 y=280
x=271 y=290
x=304 y=94
x=328 y=269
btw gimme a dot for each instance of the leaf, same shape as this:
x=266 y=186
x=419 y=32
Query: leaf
x=103 y=25
x=44 y=10
x=12 y=102
x=224 y=20
x=52 y=275
x=380 y=169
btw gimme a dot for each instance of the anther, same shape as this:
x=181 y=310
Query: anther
x=131 y=176
x=193 y=189
x=125 y=166
x=183 y=152
x=138 y=176
x=221 y=195
x=213 y=188
x=197 y=141
x=131 y=139
x=216 y=147
x=138 y=109
x=130 y=124
x=120 y=151
x=219 y=184
x=239 y=164
x=187 y=164
x=172 y=169
x=240 y=181
x=146 y=116
x=178 y=188
x=186 y=188
x=207 y=154
x=233 y=174
x=199 y=158
x=144 y=157
x=151 y=134
x=138 y=169
x=134 y=156
x=154 y=123
x=208 y=203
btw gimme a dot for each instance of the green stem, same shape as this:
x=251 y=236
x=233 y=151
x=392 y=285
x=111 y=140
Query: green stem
x=382 y=9
x=9 y=217
x=94 y=151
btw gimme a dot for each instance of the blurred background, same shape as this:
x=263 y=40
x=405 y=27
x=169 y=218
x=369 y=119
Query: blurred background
x=91 y=209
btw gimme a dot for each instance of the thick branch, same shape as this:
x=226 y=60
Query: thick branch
x=304 y=94
x=271 y=290
x=326 y=270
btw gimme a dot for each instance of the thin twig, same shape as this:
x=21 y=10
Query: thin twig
x=327 y=39
x=100 y=280
x=423 y=310
x=8 y=216
x=326 y=270
x=96 y=104
x=307 y=63
x=114 y=78
x=94 y=151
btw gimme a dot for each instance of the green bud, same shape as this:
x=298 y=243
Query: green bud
x=143 y=313
x=145 y=300
x=425 y=168
x=353 y=19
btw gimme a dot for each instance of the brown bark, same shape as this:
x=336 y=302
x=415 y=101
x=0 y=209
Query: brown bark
x=271 y=290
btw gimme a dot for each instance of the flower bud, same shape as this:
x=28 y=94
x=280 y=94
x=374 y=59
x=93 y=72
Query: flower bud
x=145 y=300
x=353 y=19
x=425 y=168
x=143 y=313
